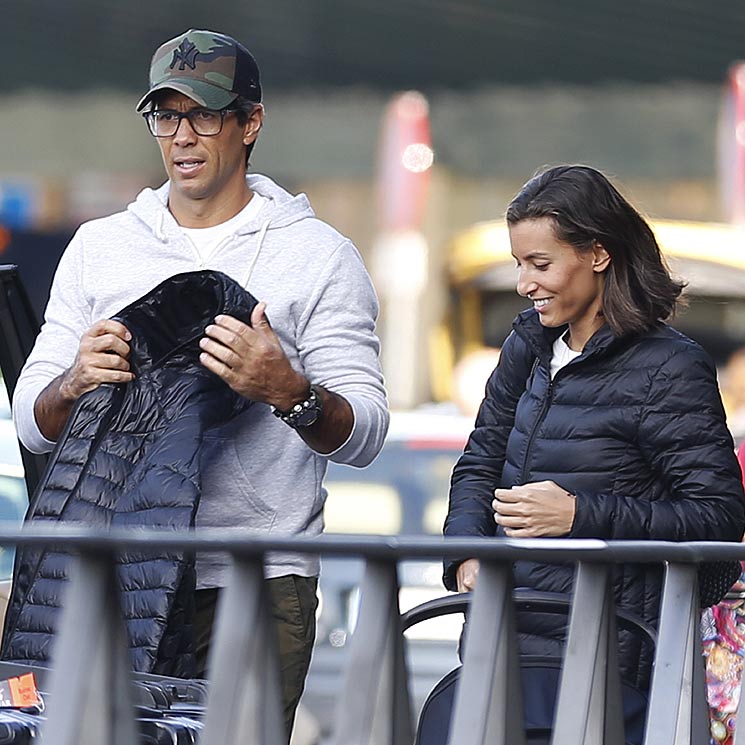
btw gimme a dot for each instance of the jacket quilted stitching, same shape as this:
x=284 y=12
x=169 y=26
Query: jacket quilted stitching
x=129 y=457
x=634 y=427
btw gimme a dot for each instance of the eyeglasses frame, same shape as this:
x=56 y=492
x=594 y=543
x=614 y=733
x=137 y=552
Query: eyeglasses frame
x=147 y=116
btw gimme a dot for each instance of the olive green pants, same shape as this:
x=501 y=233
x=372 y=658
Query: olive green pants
x=293 y=604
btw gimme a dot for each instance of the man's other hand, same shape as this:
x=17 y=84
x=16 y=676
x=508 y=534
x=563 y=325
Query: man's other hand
x=251 y=360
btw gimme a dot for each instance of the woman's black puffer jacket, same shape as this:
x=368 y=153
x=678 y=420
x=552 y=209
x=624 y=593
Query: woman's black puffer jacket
x=129 y=457
x=634 y=427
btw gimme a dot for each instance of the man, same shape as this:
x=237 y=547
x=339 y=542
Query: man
x=310 y=354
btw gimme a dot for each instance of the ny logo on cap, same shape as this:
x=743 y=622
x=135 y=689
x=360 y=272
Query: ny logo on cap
x=186 y=54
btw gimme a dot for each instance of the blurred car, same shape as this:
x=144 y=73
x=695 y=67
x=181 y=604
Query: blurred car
x=403 y=492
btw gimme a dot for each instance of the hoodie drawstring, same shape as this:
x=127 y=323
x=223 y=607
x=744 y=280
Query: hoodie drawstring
x=158 y=230
x=259 y=243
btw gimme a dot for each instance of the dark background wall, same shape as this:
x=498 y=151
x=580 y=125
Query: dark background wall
x=384 y=44
x=36 y=254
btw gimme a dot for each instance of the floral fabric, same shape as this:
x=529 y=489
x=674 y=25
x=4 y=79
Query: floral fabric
x=723 y=635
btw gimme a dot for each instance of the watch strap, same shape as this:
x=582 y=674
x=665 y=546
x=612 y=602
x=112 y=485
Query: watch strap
x=303 y=413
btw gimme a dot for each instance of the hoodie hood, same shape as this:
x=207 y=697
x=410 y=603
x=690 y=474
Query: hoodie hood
x=283 y=208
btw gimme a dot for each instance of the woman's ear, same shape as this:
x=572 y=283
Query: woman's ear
x=600 y=258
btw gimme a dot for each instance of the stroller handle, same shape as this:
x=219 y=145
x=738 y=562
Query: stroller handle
x=524 y=600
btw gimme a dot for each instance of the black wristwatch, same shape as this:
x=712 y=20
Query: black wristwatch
x=302 y=414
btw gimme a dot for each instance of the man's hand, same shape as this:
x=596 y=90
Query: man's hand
x=534 y=510
x=466 y=574
x=103 y=357
x=251 y=360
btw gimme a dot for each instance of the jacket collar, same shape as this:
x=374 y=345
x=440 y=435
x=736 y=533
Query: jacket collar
x=541 y=338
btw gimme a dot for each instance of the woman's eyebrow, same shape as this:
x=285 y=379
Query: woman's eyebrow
x=538 y=254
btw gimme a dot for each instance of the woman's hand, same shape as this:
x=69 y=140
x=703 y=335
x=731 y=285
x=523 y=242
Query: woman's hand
x=465 y=575
x=534 y=510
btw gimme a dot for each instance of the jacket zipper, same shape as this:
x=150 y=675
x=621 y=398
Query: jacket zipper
x=547 y=401
x=541 y=416
x=534 y=430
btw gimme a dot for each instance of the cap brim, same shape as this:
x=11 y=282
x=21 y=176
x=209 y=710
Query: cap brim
x=205 y=94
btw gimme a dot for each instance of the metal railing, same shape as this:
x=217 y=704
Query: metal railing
x=90 y=699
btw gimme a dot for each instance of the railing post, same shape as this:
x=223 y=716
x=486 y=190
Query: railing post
x=589 y=708
x=739 y=738
x=244 y=704
x=374 y=708
x=677 y=711
x=90 y=697
x=488 y=701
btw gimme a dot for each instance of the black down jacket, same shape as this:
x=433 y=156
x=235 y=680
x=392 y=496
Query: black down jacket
x=634 y=427
x=129 y=456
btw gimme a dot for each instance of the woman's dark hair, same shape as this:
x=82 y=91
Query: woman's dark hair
x=586 y=208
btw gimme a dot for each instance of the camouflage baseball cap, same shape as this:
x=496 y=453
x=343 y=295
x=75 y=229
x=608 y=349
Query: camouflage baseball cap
x=210 y=68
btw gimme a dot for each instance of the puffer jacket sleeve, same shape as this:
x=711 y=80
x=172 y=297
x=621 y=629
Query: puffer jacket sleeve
x=478 y=471
x=683 y=434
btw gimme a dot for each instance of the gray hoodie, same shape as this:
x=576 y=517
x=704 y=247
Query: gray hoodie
x=257 y=473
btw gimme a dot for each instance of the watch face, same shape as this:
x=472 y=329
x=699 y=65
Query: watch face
x=307 y=417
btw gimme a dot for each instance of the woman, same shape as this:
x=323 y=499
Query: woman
x=600 y=421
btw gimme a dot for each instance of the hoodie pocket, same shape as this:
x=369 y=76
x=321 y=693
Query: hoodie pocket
x=229 y=497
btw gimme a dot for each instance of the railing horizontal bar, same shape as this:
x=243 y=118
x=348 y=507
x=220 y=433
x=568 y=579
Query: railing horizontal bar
x=239 y=542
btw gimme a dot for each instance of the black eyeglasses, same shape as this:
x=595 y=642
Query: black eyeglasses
x=204 y=122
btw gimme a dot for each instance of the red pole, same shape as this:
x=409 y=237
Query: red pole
x=404 y=162
x=732 y=144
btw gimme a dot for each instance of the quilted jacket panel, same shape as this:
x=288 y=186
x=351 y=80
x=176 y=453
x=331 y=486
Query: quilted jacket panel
x=129 y=457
